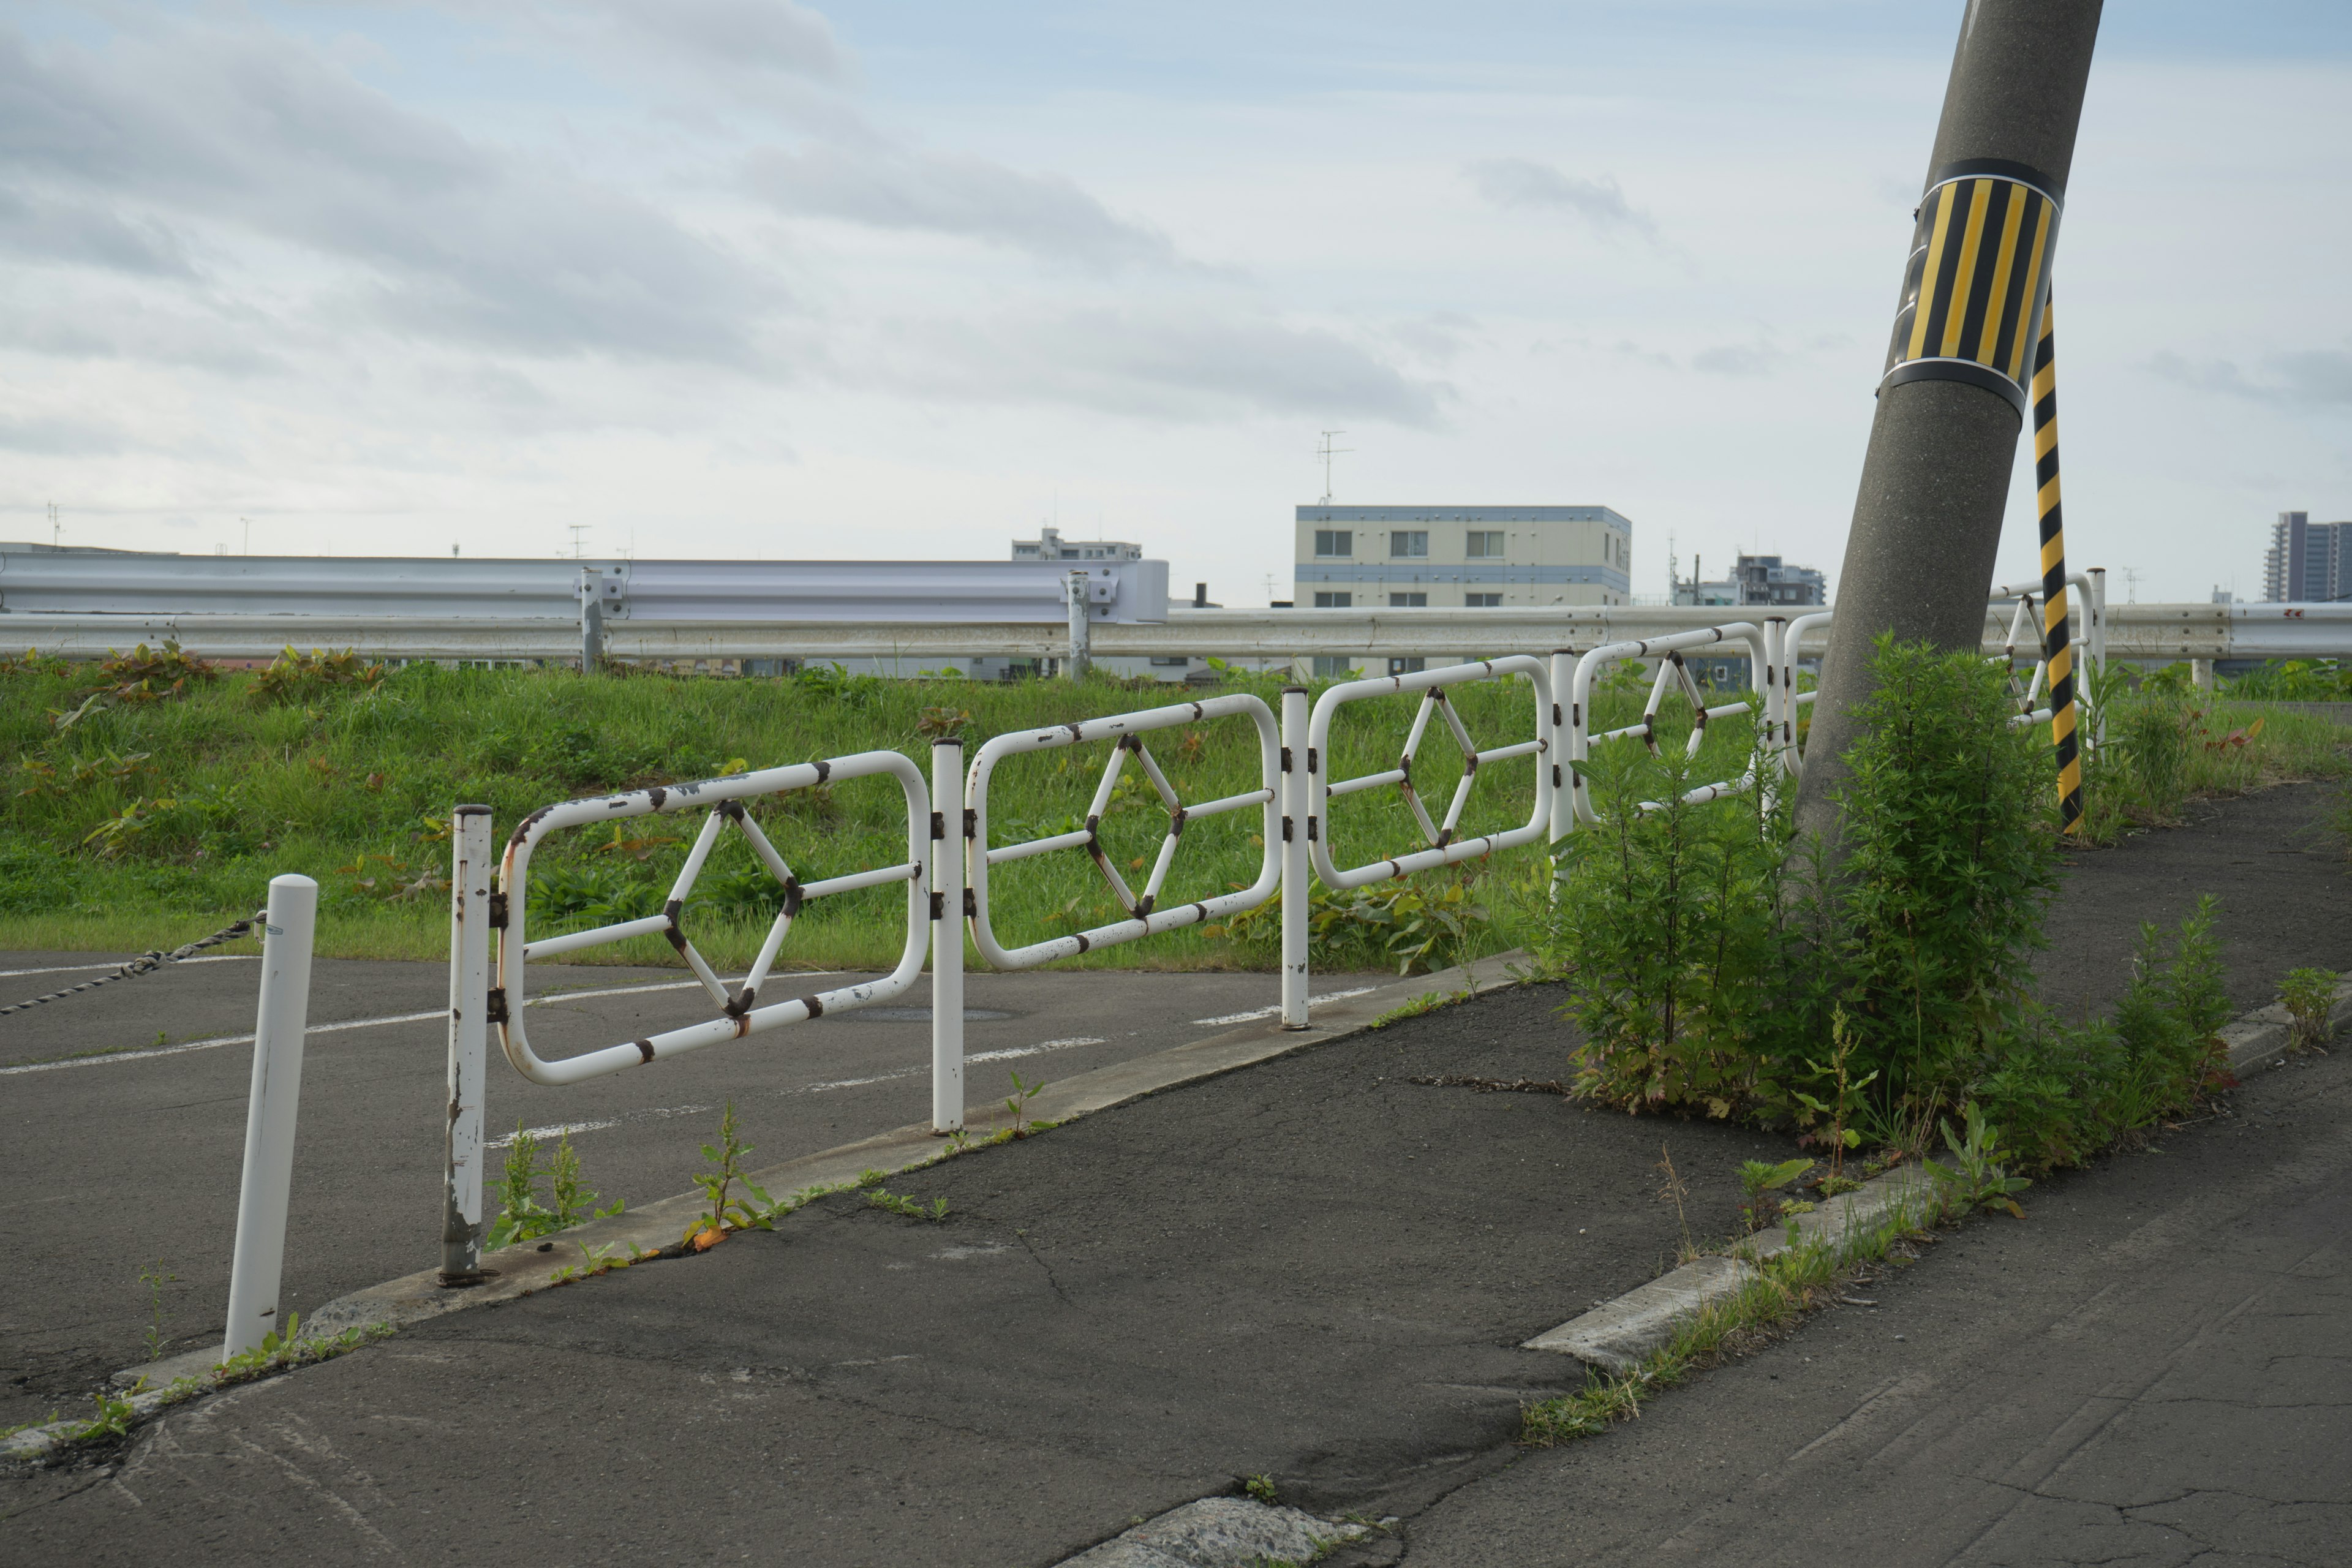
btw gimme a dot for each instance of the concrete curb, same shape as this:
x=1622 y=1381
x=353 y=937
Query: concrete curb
x=1220 y=1532
x=1618 y=1336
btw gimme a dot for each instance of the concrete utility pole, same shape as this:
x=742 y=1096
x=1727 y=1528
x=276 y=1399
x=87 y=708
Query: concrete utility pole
x=1926 y=522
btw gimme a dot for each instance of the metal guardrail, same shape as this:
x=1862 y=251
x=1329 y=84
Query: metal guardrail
x=2132 y=632
x=431 y=588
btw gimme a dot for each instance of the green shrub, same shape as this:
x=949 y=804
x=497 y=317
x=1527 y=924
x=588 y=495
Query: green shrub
x=1667 y=928
x=1947 y=861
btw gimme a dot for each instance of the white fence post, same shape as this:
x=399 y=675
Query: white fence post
x=471 y=863
x=2098 y=614
x=276 y=1093
x=1294 y=872
x=1081 y=630
x=948 y=830
x=1557 y=778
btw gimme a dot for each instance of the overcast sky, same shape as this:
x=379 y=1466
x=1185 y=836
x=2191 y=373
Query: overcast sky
x=890 y=277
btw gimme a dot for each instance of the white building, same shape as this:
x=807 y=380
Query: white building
x=1405 y=557
x=1050 y=546
x=1756 y=580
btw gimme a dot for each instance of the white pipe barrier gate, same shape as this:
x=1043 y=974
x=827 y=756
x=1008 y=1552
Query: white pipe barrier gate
x=947 y=889
x=278 y=1022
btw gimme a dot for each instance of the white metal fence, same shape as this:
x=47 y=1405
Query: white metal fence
x=951 y=853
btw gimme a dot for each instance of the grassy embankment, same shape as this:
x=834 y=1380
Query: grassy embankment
x=145 y=823
x=130 y=823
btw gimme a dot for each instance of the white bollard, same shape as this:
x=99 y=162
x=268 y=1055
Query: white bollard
x=948 y=841
x=473 y=860
x=1295 y=867
x=1081 y=630
x=283 y=1011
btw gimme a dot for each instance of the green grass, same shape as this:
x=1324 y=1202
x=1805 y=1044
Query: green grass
x=197 y=799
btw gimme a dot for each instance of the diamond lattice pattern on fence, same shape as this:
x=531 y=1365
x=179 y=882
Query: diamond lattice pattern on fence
x=1436 y=833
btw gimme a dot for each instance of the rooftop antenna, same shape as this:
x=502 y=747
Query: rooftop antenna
x=1326 y=452
x=579 y=539
x=57 y=530
x=249 y=533
x=2131 y=584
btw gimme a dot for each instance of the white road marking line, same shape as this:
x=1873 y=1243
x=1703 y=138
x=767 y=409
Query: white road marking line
x=923 y=1067
x=219 y=1040
x=1269 y=1011
x=558 y=1130
x=79 y=968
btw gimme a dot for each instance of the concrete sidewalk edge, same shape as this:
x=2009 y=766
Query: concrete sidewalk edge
x=1617 y=1336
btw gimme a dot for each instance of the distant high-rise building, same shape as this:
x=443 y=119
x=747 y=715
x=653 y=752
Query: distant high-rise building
x=2308 y=562
x=1756 y=580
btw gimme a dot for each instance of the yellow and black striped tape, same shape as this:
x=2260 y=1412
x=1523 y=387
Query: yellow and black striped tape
x=1977 y=280
x=2055 y=646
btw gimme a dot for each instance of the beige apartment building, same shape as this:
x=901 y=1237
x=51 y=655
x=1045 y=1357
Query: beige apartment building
x=1404 y=557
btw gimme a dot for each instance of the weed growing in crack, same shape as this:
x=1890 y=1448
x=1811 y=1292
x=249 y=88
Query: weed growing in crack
x=156 y=1278
x=883 y=1198
x=1018 y=1104
x=1981 y=1181
x=1260 y=1487
x=1758 y=1179
x=521 y=1215
x=1675 y=1192
x=2308 y=994
x=751 y=1209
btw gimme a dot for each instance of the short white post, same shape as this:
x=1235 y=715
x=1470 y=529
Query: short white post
x=1296 y=871
x=1081 y=630
x=1768 y=767
x=950 y=824
x=278 y=1022
x=470 y=867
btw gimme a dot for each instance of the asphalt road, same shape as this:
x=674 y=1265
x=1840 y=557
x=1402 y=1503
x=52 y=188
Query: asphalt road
x=112 y=1165
x=1319 y=1271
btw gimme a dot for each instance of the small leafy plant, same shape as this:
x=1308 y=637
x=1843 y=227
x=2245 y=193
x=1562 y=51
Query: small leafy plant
x=156 y=1278
x=1759 y=1179
x=2308 y=995
x=749 y=1209
x=1846 y=1102
x=1259 y=1486
x=911 y=1208
x=1018 y=1104
x=1981 y=1181
x=522 y=1216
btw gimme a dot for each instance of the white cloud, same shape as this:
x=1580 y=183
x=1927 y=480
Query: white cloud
x=1523 y=182
x=865 y=181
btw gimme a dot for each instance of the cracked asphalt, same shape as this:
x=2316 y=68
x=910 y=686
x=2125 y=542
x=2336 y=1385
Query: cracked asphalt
x=2154 y=1367
x=1316 y=1269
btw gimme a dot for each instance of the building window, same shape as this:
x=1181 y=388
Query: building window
x=1331 y=541
x=1485 y=545
x=1408 y=542
x=1330 y=669
x=1408 y=601
x=1407 y=666
x=1483 y=601
x=1325 y=600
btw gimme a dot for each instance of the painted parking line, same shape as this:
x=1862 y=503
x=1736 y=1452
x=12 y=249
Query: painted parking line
x=1256 y=1013
x=217 y=1041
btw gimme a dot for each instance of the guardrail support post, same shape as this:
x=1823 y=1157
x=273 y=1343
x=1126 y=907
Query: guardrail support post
x=1081 y=629
x=283 y=1011
x=471 y=862
x=950 y=824
x=591 y=623
x=1296 y=876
